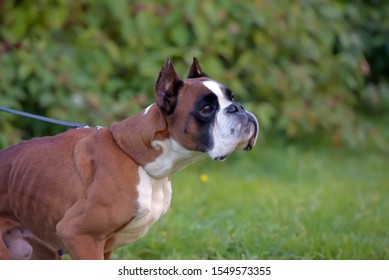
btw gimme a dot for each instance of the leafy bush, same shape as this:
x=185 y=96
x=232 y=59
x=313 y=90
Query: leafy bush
x=301 y=66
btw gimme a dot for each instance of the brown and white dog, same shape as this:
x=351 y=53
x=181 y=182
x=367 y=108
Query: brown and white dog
x=88 y=191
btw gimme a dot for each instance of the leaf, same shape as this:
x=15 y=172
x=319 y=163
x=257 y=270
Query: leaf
x=56 y=17
x=179 y=35
x=201 y=30
x=265 y=113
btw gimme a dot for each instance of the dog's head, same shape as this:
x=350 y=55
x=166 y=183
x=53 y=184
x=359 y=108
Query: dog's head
x=202 y=114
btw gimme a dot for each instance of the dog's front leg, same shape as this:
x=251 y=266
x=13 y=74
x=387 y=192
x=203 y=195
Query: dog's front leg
x=84 y=247
x=108 y=255
x=80 y=232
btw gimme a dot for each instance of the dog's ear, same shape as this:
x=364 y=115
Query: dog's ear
x=195 y=70
x=167 y=87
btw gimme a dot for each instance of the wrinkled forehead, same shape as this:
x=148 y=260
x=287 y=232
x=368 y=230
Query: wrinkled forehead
x=203 y=86
x=223 y=93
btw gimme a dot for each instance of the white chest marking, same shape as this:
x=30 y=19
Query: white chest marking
x=154 y=197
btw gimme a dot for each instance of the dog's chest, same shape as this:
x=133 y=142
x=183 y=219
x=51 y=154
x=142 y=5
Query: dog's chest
x=154 y=197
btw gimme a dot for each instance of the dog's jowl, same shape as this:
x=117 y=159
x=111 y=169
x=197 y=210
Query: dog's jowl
x=88 y=191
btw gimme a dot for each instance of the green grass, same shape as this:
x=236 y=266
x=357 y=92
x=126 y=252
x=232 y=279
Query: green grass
x=275 y=203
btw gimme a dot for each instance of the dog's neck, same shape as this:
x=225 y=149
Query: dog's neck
x=173 y=158
x=152 y=148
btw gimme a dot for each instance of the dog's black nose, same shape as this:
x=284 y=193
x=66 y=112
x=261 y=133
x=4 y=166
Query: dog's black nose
x=235 y=108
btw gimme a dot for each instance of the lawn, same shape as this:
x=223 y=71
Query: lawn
x=275 y=202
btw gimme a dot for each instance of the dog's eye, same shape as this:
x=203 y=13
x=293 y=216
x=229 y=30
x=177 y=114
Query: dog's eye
x=206 y=109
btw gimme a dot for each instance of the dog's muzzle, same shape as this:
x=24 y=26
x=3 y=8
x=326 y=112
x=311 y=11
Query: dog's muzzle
x=252 y=124
x=249 y=128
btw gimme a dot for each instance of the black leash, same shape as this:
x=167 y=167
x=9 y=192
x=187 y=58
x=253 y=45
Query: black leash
x=45 y=119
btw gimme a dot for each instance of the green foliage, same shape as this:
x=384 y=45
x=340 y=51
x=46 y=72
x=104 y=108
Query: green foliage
x=302 y=66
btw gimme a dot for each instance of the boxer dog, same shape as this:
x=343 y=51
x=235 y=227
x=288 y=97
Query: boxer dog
x=86 y=192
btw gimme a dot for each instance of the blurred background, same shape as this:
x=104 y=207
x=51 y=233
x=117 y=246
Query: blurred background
x=313 y=71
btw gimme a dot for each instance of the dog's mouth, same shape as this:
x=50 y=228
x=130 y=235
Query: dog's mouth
x=220 y=158
x=253 y=139
x=248 y=135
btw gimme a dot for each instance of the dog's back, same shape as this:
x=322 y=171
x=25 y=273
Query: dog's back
x=25 y=165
